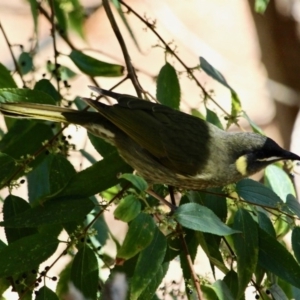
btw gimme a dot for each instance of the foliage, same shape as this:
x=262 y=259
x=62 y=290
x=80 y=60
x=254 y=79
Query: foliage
x=240 y=229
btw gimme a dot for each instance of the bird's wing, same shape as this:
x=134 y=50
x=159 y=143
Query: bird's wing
x=175 y=139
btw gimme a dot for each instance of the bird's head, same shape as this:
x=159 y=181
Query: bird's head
x=253 y=152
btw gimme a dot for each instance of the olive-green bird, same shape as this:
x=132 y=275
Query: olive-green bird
x=165 y=145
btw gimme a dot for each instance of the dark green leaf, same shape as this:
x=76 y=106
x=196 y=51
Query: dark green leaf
x=296 y=242
x=26 y=138
x=149 y=292
x=277 y=292
x=24 y=253
x=25 y=95
x=266 y=224
x=45 y=293
x=271 y=252
x=94 y=67
x=197 y=217
x=137 y=181
x=49 y=177
x=293 y=204
x=279 y=181
x=256 y=193
x=261 y=5
x=6 y=80
x=140 y=234
x=146 y=269
x=102 y=147
x=222 y=290
x=25 y=63
x=97 y=178
x=47 y=87
x=214 y=73
x=231 y=280
x=54 y=211
x=84 y=272
x=212 y=117
x=168 y=88
x=246 y=247
x=102 y=230
x=88 y=156
x=128 y=208
x=7 y=167
x=13 y=206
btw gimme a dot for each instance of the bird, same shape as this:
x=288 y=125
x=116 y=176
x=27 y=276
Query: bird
x=165 y=145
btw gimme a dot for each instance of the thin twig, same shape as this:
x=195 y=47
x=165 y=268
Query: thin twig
x=130 y=69
x=161 y=199
x=190 y=263
x=168 y=49
x=12 y=55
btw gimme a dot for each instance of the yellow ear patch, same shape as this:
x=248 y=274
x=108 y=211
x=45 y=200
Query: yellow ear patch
x=241 y=165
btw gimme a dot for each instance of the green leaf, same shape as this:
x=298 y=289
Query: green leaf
x=102 y=147
x=236 y=106
x=24 y=139
x=14 y=206
x=246 y=248
x=256 y=193
x=197 y=217
x=34 y=13
x=146 y=269
x=49 y=177
x=84 y=272
x=149 y=291
x=25 y=62
x=128 y=208
x=60 y=16
x=25 y=95
x=94 y=67
x=97 y=178
x=140 y=234
x=279 y=182
x=137 y=181
x=47 y=87
x=293 y=204
x=24 y=253
x=168 y=88
x=6 y=80
x=214 y=73
x=296 y=242
x=208 y=292
x=212 y=117
x=231 y=280
x=117 y=5
x=271 y=252
x=45 y=293
x=277 y=292
x=261 y=5
x=77 y=17
x=254 y=127
x=222 y=290
x=266 y=224
x=63 y=281
x=7 y=167
x=54 y=211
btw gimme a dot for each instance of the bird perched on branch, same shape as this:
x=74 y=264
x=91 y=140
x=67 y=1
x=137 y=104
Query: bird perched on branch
x=165 y=145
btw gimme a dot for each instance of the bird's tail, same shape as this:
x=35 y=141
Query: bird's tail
x=47 y=112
